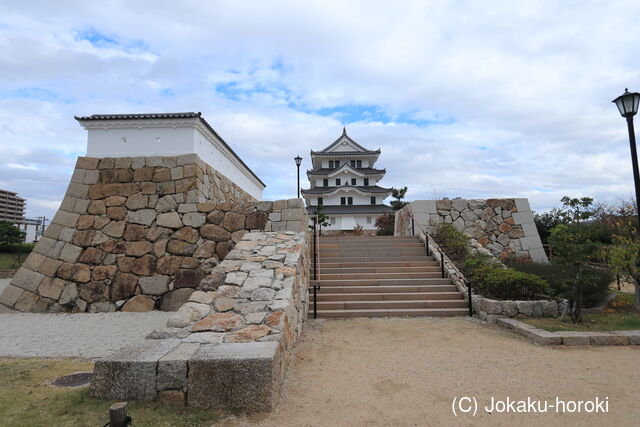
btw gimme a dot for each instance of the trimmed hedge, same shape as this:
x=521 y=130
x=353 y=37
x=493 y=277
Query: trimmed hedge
x=16 y=248
x=492 y=280
x=560 y=277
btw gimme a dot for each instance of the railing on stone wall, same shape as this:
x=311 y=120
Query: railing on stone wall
x=446 y=265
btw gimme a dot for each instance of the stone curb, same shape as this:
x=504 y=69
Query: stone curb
x=543 y=337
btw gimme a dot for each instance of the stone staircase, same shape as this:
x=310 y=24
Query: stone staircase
x=376 y=276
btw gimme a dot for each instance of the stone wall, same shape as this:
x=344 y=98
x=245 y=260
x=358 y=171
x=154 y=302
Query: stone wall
x=503 y=226
x=135 y=234
x=230 y=344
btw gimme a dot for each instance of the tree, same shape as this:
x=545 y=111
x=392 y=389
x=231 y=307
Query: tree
x=624 y=256
x=546 y=221
x=9 y=233
x=576 y=210
x=385 y=224
x=572 y=245
x=398 y=194
x=321 y=218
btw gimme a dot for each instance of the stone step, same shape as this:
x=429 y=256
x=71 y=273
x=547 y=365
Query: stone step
x=356 y=276
x=407 y=312
x=428 y=263
x=397 y=304
x=328 y=246
x=361 y=270
x=381 y=250
x=366 y=238
x=384 y=282
x=387 y=296
x=388 y=257
x=372 y=289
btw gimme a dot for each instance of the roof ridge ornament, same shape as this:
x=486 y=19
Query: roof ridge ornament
x=344 y=131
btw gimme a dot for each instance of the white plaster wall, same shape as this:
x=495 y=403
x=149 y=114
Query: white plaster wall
x=332 y=181
x=169 y=141
x=131 y=142
x=211 y=155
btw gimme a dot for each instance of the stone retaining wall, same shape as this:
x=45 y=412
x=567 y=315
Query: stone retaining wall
x=503 y=226
x=488 y=309
x=137 y=234
x=542 y=337
x=229 y=346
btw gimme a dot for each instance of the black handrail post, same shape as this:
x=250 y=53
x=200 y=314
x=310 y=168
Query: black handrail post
x=426 y=238
x=315 y=255
x=315 y=301
x=442 y=262
x=470 y=301
x=413 y=227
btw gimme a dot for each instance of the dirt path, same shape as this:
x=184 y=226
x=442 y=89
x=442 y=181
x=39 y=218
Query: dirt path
x=407 y=371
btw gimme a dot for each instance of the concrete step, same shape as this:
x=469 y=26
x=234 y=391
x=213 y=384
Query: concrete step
x=427 y=263
x=367 y=238
x=397 y=304
x=372 y=289
x=407 y=312
x=328 y=246
x=360 y=258
x=357 y=276
x=385 y=282
x=380 y=250
x=323 y=295
x=362 y=270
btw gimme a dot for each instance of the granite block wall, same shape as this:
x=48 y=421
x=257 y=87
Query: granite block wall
x=505 y=227
x=137 y=234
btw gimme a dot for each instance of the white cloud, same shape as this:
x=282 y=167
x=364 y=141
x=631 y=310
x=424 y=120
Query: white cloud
x=518 y=91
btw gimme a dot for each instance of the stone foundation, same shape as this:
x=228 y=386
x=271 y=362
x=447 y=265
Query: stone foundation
x=229 y=346
x=137 y=234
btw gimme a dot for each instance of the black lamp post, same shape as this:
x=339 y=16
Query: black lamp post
x=298 y=160
x=627 y=104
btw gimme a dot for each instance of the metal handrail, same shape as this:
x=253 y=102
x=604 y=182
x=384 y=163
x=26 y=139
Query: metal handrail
x=315 y=269
x=427 y=236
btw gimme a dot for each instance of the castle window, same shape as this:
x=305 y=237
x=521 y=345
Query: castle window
x=325 y=182
x=338 y=181
x=350 y=200
x=353 y=163
x=366 y=181
x=343 y=200
x=359 y=163
x=353 y=181
x=373 y=200
x=319 y=201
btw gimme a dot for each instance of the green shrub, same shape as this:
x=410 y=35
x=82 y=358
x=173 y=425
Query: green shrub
x=454 y=243
x=510 y=284
x=17 y=248
x=561 y=276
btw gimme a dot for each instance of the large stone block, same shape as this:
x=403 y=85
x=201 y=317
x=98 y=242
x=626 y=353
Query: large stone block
x=172 y=368
x=130 y=373
x=247 y=376
x=27 y=279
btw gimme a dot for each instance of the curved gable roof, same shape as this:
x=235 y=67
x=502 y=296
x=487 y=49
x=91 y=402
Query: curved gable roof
x=344 y=138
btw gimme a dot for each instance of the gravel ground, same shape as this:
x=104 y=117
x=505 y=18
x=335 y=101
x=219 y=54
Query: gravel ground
x=406 y=372
x=85 y=335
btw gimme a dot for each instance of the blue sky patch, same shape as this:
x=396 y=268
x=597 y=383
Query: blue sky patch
x=102 y=40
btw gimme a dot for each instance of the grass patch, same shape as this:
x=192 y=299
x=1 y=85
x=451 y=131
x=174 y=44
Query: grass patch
x=620 y=316
x=28 y=399
x=11 y=261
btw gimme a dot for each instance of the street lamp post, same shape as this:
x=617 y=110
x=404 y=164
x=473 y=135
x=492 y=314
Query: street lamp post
x=298 y=160
x=627 y=104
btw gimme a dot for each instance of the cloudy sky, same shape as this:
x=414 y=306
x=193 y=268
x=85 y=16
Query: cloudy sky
x=465 y=98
